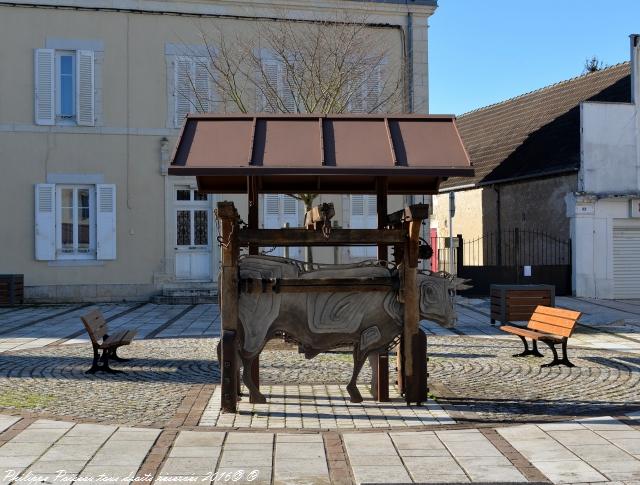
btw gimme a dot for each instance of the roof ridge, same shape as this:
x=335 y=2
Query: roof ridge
x=549 y=86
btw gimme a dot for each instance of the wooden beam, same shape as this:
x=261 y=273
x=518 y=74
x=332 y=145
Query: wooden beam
x=302 y=237
x=229 y=227
x=318 y=285
x=252 y=193
x=380 y=387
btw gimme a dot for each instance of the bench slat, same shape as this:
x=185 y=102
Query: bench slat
x=532 y=334
x=95 y=324
x=551 y=320
x=559 y=312
x=553 y=329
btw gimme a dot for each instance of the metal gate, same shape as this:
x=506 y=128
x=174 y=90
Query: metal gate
x=506 y=257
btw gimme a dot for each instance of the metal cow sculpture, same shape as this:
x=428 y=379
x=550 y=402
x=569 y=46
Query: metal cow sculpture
x=322 y=321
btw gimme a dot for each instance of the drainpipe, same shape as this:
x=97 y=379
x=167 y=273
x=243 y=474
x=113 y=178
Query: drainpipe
x=409 y=61
x=635 y=94
x=499 y=227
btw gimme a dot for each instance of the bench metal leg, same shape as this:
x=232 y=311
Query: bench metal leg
x=556 y=360
x=117 y=358
x=106 y=355
x=533 y=351
x=96 y=357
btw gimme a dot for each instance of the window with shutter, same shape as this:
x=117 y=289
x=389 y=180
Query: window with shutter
x=192 y=91
x=274 y=93
x=44 y=86
x=45 y=222
x=64 y=87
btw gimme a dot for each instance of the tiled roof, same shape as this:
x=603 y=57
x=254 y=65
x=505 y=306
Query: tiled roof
x=538 y=133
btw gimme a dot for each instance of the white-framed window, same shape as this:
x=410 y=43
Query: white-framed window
x=274 y=93
x=75 y=222
x=363 y=215
x=193 y=91
x=64 y=87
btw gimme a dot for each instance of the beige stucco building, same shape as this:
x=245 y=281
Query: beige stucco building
x=88 y=119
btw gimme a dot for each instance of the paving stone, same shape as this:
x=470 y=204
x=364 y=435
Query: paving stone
x=14 y=448
x=52 y=467
x=569 y=471
x=189 y=466
x=195 y=452
x=380 y=474
x=198 y=439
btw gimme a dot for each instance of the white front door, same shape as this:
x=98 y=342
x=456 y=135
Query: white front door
x=192 y=235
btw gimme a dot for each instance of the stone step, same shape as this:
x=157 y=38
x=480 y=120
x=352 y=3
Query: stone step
x=187 y=295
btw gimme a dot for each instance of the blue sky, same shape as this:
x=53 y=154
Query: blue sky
x=485 y=51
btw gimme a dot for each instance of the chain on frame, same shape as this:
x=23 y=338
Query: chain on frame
x=218 y=230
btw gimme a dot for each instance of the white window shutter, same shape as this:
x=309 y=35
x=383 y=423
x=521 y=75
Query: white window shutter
x=45 y=229
x=374 y=88
x=372 y=212
x=357 y=100
x=284 y=89
x=269 y=85
x=202 y=85
x=183 y=89
x=271 y=211
x=289 y=211
x=85 y=92
x=106 y=221
x=45 y=111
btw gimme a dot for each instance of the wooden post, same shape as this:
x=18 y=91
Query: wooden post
x=381 y=360
x=253 y=217
x=228 y=217
x=410 y=290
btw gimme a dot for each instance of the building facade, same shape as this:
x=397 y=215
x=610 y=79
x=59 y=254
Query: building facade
x=89 y=113
x=605 y=209
x=528 y=153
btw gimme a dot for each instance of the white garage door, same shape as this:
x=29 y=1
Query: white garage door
x=626 y=259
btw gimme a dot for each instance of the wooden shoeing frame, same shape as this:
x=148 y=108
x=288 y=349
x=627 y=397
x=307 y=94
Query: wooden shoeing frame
x=400 y=230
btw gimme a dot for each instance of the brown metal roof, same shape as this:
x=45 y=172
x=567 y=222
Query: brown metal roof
x=322 y=154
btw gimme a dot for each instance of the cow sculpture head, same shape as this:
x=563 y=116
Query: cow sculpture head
x=437 y=292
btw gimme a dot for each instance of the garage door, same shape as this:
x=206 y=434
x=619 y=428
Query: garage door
x=626 y=259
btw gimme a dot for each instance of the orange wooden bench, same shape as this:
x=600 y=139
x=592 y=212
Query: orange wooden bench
x=550 y=325
x=98 y=330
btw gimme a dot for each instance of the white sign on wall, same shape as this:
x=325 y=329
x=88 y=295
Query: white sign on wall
x=635 y=207
x=585 y=208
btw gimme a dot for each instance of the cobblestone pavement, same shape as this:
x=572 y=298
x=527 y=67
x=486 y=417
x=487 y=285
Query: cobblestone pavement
x=509 y=420
x=600 y=450
x=472 y=378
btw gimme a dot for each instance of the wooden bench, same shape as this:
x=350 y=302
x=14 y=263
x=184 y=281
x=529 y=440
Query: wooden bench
x=550 y=325
x=98 y=331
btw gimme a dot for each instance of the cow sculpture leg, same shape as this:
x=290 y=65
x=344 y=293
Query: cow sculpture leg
x=359 y=359
x=255 y=395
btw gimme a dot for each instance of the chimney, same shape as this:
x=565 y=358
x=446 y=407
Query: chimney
x=635 y=68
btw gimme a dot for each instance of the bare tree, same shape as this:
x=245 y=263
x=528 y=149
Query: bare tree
x=336 y=66
x=593 y=64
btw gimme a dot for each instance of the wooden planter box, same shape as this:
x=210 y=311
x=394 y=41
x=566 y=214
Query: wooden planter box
x=511 y=303
x=11 y=289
